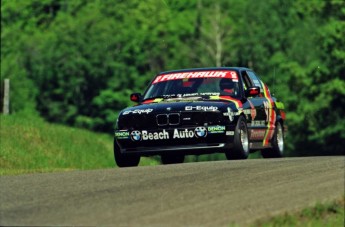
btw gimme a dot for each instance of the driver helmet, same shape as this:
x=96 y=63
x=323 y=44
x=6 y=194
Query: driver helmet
x=227 y=85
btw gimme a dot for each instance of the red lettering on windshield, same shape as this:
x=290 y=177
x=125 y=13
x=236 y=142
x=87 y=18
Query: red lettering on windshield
x=191 y=75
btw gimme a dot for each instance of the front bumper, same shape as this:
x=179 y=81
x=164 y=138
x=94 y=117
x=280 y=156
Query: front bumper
x=190 y=140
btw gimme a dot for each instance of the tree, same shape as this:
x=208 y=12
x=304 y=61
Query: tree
x=319 y=122
x=76 y=62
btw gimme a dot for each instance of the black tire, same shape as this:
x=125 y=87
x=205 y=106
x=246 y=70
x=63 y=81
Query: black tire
x=125 y=160
x=277 y=150
x=172 y=159
x=241 y=141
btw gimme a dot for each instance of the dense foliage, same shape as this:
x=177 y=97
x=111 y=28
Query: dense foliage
x=76 y=61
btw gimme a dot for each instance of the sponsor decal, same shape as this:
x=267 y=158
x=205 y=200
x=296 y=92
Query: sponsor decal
x=230 y=133
x=216 y=129
x=257 y=134
x=137 y=111
x=250 y=113
x=136 y=135
x=258 y=123
x=200 y=132
x=204 y=108
x=155 y=135
x=201 y=74
x=181 y=134
x=230 y=114
x=246 y=112
x=191 y=95
x=144 y=135
x=201 y=94
x=122 y=134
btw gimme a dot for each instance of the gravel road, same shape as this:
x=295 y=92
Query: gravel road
x=216 y=193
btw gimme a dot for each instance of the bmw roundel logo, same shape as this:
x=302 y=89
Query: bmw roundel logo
x=136 y=136
x=200 y=132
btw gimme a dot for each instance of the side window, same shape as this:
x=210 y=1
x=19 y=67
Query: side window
x=246 y=80
x=255 y=80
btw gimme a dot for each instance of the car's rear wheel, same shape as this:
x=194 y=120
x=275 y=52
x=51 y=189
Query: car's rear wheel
x=125 y=160
x=241 y=141
x=172 y=159
x=277 y=149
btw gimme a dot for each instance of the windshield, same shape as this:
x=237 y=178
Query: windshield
x=189 y=84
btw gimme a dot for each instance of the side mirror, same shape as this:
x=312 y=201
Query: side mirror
x=135 y=97
x=252 y=91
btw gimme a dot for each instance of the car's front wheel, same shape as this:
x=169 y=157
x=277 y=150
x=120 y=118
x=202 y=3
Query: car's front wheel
x=241 y=141
x=125 y=160
x=172 y=159
x=277 y=149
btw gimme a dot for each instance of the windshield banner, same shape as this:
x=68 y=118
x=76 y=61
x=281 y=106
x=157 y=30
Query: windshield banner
x=199 y=74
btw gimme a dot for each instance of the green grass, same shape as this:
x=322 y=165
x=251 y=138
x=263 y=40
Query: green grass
x=321 y=215
x=29 y=145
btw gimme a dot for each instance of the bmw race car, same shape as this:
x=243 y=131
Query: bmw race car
x=200 y=111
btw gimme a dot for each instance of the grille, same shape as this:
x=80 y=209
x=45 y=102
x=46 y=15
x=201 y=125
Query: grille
x=162 y=119
x=151 y=121
x=168 y=119
x=174 y=119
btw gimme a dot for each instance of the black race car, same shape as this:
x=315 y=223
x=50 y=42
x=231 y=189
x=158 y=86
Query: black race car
x=200 y=111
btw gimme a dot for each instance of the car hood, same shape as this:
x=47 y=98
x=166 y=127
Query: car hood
x=191 y=112
x=180 y=106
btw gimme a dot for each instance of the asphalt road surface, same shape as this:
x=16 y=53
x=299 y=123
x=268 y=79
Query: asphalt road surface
x=201 y=194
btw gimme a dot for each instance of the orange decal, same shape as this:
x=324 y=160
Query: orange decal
x=271 y=116
x=237 y=102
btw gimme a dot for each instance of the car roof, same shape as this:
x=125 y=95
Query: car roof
x=204 y=69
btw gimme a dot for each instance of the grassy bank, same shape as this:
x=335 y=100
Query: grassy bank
x=321 y=215
x=29 y=144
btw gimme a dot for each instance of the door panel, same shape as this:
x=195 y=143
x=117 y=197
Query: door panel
x=258 y=126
